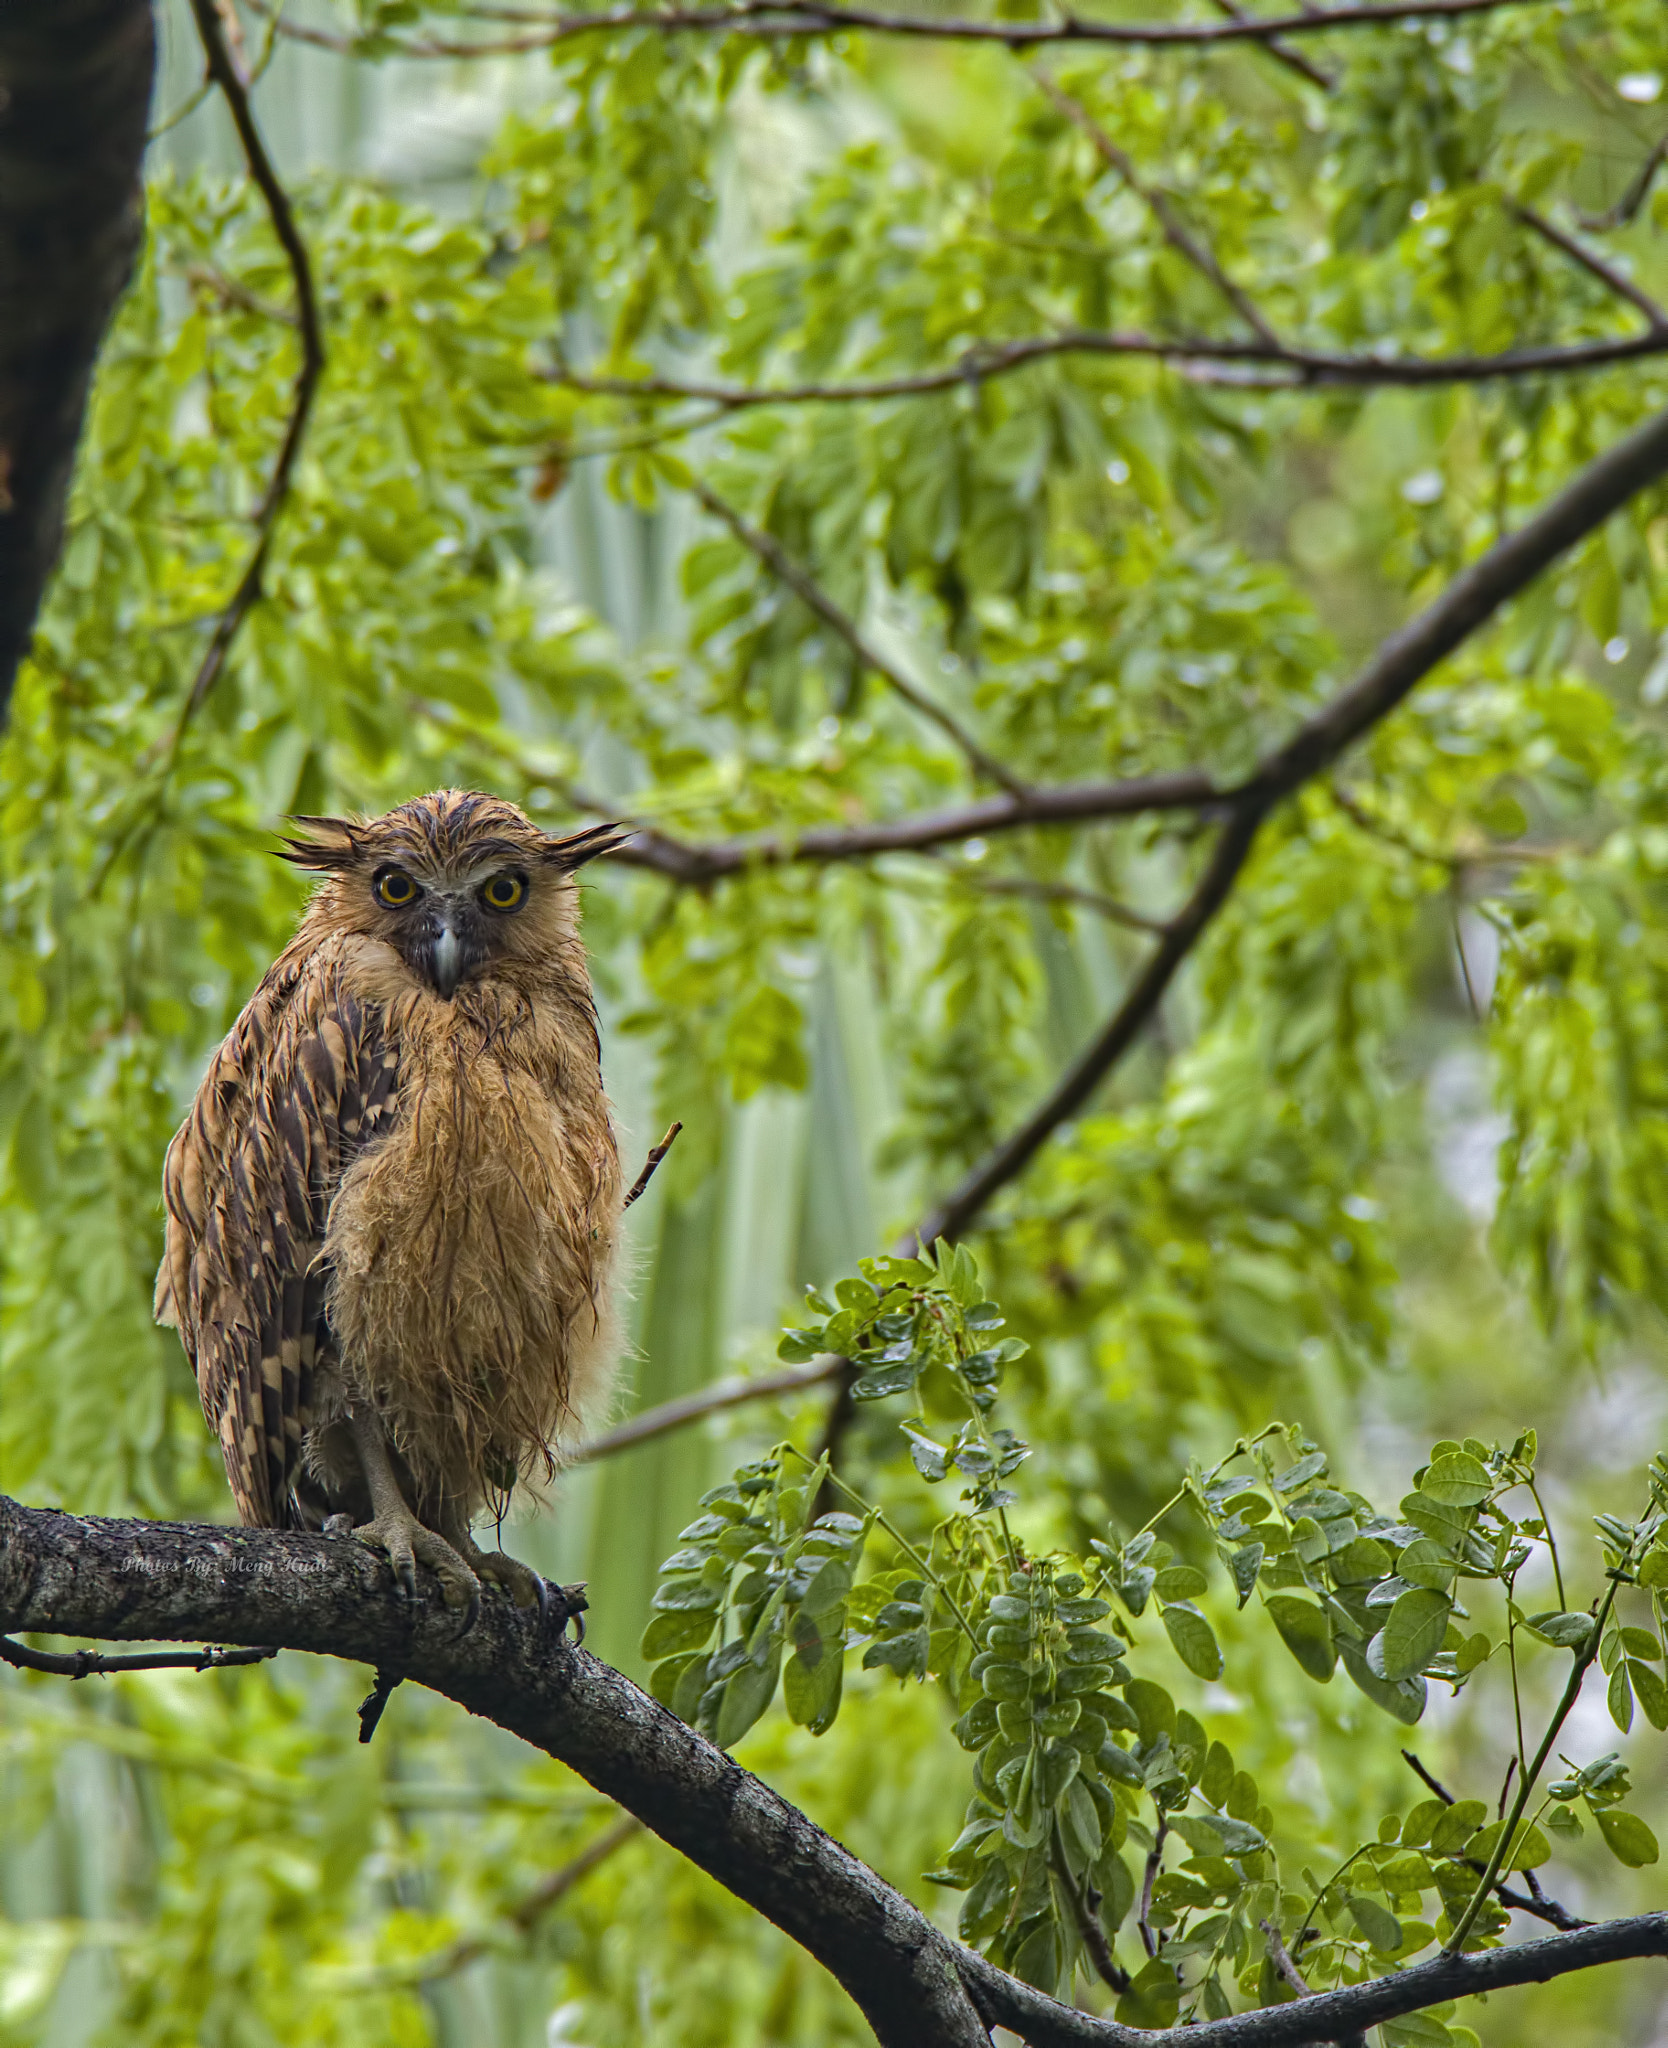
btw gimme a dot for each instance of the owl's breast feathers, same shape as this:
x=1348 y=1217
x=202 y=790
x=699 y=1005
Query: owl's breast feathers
x=381 y=1195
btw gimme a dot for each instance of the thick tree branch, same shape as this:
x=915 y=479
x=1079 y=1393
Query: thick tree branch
x=772 y=19
x=1404 y=660
x=144 y=1581
x=152 y=1581
x=75 y=92
x=811 y=594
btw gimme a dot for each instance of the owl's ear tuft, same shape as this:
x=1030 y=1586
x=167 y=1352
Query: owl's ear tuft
x=578 y=847
x=325 y=846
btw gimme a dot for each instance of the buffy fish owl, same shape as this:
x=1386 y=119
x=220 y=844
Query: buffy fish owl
x=392 y=1210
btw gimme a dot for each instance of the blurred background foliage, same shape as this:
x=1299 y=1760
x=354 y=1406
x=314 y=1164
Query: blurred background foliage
x=1391 y=1163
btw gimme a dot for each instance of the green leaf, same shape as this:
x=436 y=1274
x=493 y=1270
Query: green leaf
x=1305 y=1631
x=1180 y=1582
x=1456 y=1827
x=1625 y=1836
x=747 y=1692
x=667 y=1634
x=1380 y=1927
x=1651 y=1692
x=1194 y=1642
x=1619 y=1698
x=811 y=1678
x=1457 y=1481
x=1414 y=1632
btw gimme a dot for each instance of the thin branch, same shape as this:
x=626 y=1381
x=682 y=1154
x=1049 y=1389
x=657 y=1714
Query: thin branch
x=770 y=19
x=1633 y=196
x=1149 y=1876
x=655 y=1157
x=224 y=72
x=670 y=1415
x=1608 y=275
x=810 y=593
x=1202 y=359
x=90 y=1664
x=1158 y=203
x=150 y=1581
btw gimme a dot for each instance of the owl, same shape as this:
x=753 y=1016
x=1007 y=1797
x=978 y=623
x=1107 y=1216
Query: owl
x=392 y=1209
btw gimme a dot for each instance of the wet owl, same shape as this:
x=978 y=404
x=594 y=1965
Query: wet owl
x=392 y=1209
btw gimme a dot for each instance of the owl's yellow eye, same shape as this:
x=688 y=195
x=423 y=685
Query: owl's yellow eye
x=504 y=892
x=395 y=889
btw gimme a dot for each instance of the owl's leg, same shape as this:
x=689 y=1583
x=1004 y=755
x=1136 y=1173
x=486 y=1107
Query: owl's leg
x=395 y=1530
x=520 y=1581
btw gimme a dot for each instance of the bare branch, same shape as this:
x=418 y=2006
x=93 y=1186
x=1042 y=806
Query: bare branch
x=772 y=19
x=226 y=75
x=1201 y=359
x=1595 y=265
x=1158 y=203
x=1084 y=1904
x=655 y=1157
x=1057 y=892
x=670 y=1415
x=89 y=1664
x=810 y=593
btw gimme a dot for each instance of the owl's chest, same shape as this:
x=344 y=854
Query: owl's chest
x=472 y=1232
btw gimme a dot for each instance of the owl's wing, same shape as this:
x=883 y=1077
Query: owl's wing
x=304 y=1081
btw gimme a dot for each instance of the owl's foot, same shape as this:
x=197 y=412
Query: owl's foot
x=406 y=1544
x=520 y=1581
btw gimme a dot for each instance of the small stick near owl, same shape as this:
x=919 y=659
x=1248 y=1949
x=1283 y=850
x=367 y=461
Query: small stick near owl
x=394 y=1205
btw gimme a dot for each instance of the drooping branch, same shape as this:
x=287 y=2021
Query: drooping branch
x=1595 y=265
x=1159 y=204
x=75 y=91
x=228 y=77
x=779 y=19
x=1633 y=195
x=151 y=1581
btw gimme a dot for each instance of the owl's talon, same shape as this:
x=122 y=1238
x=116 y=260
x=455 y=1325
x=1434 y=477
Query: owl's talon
x=406 y=1544
x=520 y=1581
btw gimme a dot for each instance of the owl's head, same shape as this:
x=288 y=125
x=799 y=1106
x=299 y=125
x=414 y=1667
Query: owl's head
x=458 y=883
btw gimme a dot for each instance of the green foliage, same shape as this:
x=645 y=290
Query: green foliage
x=489 y=572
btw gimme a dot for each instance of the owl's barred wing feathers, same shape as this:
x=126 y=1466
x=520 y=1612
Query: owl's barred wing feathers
x=305 y=1079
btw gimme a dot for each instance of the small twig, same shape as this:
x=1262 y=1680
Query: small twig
x=1505 y=1789
x=1282 y=1960
x=1171 y=225
x=810 y=593
x=371 y=1706
x=1633 y=197
x=655 y=1157
x=231 y=293
x=1595 y=265
x=93 y=1663
x=1056 y=892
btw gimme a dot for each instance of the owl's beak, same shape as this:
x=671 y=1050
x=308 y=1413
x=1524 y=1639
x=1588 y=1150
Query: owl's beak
x=446 y=959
